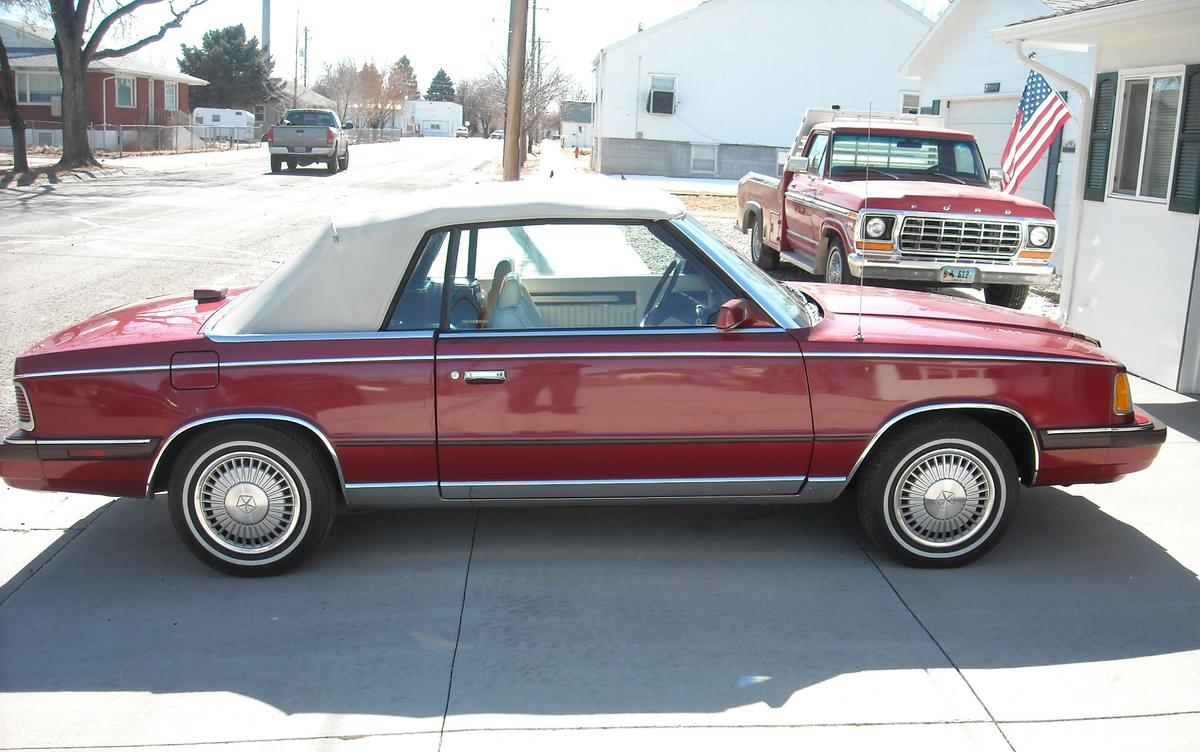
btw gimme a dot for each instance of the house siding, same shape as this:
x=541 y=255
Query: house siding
x=747 y=70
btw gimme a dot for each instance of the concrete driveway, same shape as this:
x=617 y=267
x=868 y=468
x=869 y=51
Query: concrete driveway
x=675 y=627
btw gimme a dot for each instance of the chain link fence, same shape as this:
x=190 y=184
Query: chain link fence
x=47 y=137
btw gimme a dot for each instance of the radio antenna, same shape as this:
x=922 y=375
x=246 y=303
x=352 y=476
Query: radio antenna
x=862 y=279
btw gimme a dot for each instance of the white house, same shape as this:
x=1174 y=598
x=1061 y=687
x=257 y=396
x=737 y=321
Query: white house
x=976 y=84
x=575 y=124
x=720 y=89
x=1132 y=278
x=419 y=117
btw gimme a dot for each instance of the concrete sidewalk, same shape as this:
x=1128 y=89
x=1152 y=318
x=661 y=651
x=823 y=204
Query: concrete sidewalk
x=704 y=628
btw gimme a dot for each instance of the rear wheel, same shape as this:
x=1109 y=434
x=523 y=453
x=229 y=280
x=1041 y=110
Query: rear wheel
x=344 y=162
x=250 y=500
x=331 y=166
x=291 y=163
x=940 y=493
x=276 y=164
x=1009 y=296
x=763 y=257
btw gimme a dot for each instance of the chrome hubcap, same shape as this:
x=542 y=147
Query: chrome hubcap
x=943 y=497
x=834 y=274
x=246 y=501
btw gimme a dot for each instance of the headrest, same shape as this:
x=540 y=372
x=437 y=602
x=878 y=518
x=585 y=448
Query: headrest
x=510 y=292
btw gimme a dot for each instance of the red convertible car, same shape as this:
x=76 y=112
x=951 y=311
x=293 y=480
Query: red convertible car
x=586 y=344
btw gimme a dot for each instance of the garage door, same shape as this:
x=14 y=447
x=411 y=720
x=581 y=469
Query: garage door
x=990 y=120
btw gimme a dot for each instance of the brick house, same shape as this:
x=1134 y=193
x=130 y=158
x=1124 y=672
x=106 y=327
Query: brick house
x=119 y=91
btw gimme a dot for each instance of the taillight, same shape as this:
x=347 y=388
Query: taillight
x=270 y=135
x=329 y=137
x=24 y=409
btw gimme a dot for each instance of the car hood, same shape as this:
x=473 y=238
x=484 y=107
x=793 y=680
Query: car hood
x=944 y=197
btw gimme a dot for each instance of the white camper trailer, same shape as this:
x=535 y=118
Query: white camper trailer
x=237 y=125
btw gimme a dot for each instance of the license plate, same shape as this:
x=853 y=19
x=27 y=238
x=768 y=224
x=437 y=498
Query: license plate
x=304 y=150
x=963 y=275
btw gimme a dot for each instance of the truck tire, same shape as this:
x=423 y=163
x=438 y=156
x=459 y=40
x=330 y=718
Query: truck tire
x=763 y=257
x=344 y=162
x=1009 y=296
x=276 y=164
x=331 y=165
x=837 y=271
x=291 y=163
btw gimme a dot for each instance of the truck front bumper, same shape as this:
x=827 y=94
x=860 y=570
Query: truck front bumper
x=930 y=272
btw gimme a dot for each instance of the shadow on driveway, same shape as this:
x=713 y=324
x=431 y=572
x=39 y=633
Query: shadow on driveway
x=577 y=611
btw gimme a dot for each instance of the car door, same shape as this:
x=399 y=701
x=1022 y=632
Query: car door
x=595 y=371
x=798 y=199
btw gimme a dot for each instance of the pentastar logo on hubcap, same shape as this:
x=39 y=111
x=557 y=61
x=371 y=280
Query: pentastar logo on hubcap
x=246 y=503
x=945 y=499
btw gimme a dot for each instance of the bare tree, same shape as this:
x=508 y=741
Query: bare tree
x=16 y=123
x=480 y=107
x=79 y=31
x=545 y=84
x=340 y=83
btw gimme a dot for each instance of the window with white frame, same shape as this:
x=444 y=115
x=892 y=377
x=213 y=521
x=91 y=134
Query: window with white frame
x=170 y=96
x=126 y=92
x=910 y=101
x=704 y=159
x=1145 y=140
x=661 y=100
x=38 y=88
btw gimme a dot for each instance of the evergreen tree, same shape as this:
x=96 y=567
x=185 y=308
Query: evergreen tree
x=441 y=88
x=237 y=70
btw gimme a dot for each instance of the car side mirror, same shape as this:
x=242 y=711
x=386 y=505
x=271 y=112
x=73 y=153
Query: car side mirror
x=996 y=178
x=797 y=164
x=348 y=126
x=732 y=314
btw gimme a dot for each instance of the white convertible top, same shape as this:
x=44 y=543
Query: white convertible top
x=345 y=280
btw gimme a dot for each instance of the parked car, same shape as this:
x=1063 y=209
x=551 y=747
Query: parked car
x=898 y=198
x=462 y=132
x=303 y=137
x=533 y=343
x=498 y=133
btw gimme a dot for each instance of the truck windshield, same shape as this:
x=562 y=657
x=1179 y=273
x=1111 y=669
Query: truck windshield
x=907 y=157
x=307 y=117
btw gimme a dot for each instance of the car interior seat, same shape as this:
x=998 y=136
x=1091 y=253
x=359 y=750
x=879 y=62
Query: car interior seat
x=514 y=307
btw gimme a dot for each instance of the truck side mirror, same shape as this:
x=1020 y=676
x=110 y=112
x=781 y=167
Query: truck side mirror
x=996 y=178
x=348 y=126
x=797 y=164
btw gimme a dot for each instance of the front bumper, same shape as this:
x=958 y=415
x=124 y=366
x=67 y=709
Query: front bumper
x=930 y=272
x=1099 y=455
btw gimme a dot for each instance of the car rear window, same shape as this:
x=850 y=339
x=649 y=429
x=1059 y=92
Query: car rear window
x=302 y=117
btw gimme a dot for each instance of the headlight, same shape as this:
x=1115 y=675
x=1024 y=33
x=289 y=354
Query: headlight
x=876 y=227
x=1040 y=236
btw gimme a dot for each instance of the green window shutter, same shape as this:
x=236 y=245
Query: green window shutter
x=936 y=107
x=1185 y=191
x=1104 y=104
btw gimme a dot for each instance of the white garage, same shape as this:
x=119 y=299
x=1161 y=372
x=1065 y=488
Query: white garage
x=990 y=118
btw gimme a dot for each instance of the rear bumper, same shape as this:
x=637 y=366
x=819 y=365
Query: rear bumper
x=316 y=151
x=1099 y=455
x=110 y=466
x=930 y=271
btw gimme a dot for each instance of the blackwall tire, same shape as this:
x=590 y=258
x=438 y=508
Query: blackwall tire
x=837 y=271
x=276 y=164
x=250 y=500
x=1009 y=296
x=939 y=493
x=344 y=163
x=762 y=256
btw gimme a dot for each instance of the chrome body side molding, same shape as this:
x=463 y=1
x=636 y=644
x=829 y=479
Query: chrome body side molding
x=632 y=487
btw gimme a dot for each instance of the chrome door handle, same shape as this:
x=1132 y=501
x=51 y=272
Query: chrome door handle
x=484 y=377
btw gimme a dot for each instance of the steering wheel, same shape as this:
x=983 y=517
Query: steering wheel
x=668 y=281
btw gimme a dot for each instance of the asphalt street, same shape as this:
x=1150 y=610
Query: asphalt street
x=572 y=628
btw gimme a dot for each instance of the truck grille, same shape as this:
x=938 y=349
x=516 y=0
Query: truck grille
x=24 y=409
x=940 y=239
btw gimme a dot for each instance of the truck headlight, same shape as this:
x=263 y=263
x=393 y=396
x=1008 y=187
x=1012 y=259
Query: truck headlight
x=876 y=227
x=1040 y=236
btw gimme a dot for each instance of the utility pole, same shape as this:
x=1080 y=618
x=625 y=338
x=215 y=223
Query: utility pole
x=266 y=27
x=296 y=59
x=306 y=57
x=514 y=102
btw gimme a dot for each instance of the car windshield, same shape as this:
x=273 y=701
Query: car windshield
x=308 y=117
x=798 y=307
x=905 y=157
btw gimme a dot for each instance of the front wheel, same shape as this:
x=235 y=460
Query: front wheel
x=251 y=501
x=1009 y=296
x=940 y=493
x=837 y=271
x=763 y=257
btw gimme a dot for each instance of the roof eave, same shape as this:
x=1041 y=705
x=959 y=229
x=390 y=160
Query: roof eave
x=1051 y=31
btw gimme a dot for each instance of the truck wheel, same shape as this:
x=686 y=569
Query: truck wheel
x=763 y=257
x=344 y=162
x=250 y=500
x=837 y=271
x=276 y=164
x=291 y=163
x=331 y=166
x=1009 y=296
x=938 y=493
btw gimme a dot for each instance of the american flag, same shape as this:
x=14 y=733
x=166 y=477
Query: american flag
x=1040 y=116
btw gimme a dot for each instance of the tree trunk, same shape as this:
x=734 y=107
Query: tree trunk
x=68 y=45
x=15 y=122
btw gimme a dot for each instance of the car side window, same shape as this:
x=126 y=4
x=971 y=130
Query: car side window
x=418 y=307
x=553 y=275
x=816 y=154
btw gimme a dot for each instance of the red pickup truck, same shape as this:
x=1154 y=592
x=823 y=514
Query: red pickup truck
x=898 y=198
